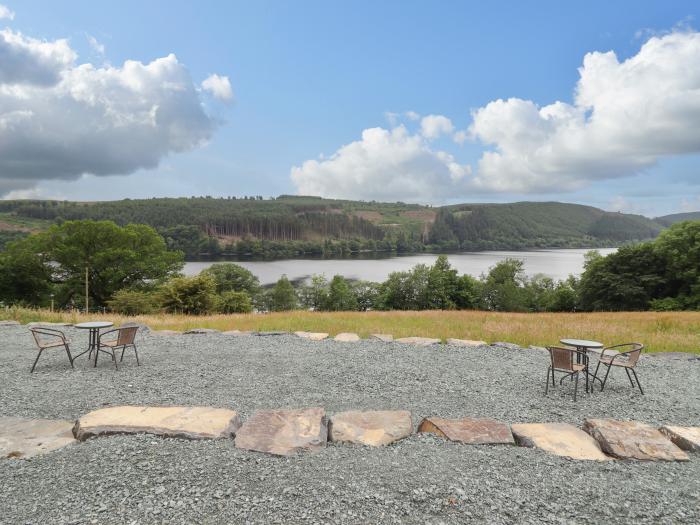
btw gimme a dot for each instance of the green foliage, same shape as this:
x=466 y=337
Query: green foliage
x=25 y=273
x=282 y=297
x=503 y=288
x=231 y=277
x=679 y=248
x=133 y=302
x=340 y=296
x=189 y=295
x=231 y=302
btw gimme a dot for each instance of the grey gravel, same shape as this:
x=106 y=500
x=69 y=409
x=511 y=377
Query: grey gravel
x=422 y=479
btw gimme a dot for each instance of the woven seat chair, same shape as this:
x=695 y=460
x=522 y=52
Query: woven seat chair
x=46 y=338
x=612 y=356
x=125 y=339
x=570 y=361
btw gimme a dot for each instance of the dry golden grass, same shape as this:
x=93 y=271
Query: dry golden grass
x=660 y=332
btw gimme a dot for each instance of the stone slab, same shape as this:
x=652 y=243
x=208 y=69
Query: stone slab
x=685 y=438
x=202 y=331
x=560 y=439
x=420 y=341
x=387 y=338
x=284 y=432
x=469 y=430
x=238 y=333
x=183 y=422
x=633 y=440
x=373 y=428
x=314 y=336
x=270 y=333
x=347 y=337
x=25 y=438
x=466 y=342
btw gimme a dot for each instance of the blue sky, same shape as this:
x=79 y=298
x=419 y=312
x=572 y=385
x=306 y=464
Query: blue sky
x=308 y=78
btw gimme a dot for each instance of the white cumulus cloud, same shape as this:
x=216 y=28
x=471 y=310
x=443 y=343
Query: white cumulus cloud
x=5 y=13
x=60 y=120
x=219 y=87
x=625 y=116
x=385 y=164
x=434 y=126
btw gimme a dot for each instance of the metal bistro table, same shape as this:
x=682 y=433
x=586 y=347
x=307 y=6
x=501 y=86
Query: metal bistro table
x=583 y=346
x=94 y=327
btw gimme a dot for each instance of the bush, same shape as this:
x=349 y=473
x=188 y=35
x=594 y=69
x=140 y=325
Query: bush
x=132 y=302
x=282 y=297
x=235 y=303
x=189 y=295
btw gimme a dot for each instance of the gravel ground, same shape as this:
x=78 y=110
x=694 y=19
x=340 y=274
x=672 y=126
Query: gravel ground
x=143 y=479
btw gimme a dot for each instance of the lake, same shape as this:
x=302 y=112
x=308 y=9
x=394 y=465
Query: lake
x=557 y=264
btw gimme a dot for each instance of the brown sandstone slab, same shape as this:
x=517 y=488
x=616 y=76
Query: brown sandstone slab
x=420 y=341
x=284 y=432
x=347 y=337
x=314 y=336
x=466 y=342
x=685 y=438
x=468 y=430
x=633 y=440
x=560 y=439
x=184 y=422
x=25 y=438
x=373 y=428
x=387 y=338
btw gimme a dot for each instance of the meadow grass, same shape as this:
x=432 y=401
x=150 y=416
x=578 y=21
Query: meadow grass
x=659 y=331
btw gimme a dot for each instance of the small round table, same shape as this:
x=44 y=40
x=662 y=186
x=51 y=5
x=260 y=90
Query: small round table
x=94 y=327
x=583 y=345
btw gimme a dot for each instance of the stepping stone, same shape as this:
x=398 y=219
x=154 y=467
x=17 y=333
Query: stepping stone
x=560 y=439
x=420 y=341
x=270 y=333
x=466 y=342
x=633 y=440
x=182 y=422
x=469 y=430
x=685 y=438
x=166 y=332
x=347 y=337
x=284 y=432
x=387 y=338
x=373 y=428
x=9 y=323
x=25 y=438
x=314 y=336
x=237 y=333
x=202 y=331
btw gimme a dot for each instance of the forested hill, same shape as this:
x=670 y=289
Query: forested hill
x=668 y=220
x=292 y=225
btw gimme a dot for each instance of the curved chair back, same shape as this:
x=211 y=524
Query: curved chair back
x=41 y=333
x=631 y=351
x=563 y=358
x=127 y=334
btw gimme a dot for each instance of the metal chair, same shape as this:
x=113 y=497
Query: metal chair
x=612 y=356
x=125 y=339
x=49 y=338
x=569 y=361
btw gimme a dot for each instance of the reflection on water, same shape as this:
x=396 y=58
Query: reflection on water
x=557 y=264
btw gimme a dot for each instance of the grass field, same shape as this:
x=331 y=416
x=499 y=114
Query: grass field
x=660 y=332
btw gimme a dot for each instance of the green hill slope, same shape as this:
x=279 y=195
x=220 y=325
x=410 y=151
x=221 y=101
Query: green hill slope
x=668 y=220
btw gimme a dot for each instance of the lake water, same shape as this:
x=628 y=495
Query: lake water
x=557 y=264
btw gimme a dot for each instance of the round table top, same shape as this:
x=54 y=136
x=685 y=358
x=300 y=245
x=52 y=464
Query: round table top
x=94 y=324
x=581 y=343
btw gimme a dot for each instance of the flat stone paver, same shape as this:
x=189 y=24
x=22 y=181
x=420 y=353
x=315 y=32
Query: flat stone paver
x=685 y=438
x=284 y=432
x=466 y=342
x=387 y=338
x=25 y=438
x=633 y=440
x=237 y=333
x=347 y=337
x=314 y=336
x=420 y=341
x=469 y=430
x=560 y=439
x=183 y=422
x=373 y=428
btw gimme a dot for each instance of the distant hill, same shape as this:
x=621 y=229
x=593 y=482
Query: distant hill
x=668 y=220
x=210 y=225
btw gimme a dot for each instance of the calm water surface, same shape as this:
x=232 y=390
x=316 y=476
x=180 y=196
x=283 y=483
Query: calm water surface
x=557 y=264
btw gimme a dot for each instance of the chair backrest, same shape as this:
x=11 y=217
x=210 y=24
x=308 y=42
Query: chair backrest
x=127 y=334
x=632 y=352
x=562 y=358
x=40 y=335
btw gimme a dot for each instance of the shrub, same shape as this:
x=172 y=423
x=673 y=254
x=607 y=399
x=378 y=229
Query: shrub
x=189 y=295
x=132 y=302
x=235 y=303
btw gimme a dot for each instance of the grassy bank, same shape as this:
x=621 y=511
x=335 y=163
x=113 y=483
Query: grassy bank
x=660 y=332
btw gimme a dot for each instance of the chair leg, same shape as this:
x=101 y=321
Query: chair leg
x=576 y=387
x=36 y=360
x=137 y=356
x=122 y=357
x=595 y=375
x=70 y=358
x=605 y=379
x=114 y=358
x=546 y=383
x=637 y=379
x=627 y=371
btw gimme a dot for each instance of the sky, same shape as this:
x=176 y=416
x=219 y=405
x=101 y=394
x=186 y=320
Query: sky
x=596 y=103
